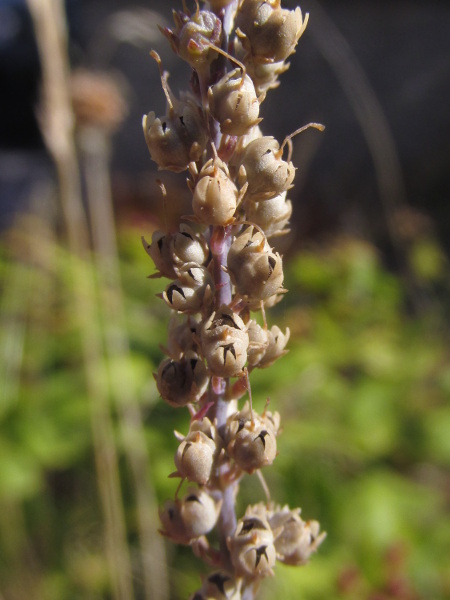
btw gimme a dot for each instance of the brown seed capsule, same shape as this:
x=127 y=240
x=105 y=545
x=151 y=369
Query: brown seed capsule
x=182 y=382
x=189 y=247
x=258 y=343
x=252 y=444
x=176 y=139
x=218 y=586
x=199 y=512
x=196 y=453
x=215 y=195
x=172 y=522
x=170 y=251
x=268 y=32
x=224 y=340
x=266 y=173
x=256 y=270
x=295 y=539
x=271 y=215
x=192 y=291
x=193 y=37
x=252 y=547
x=276 y=347
x=234 y=104
x=181 y=337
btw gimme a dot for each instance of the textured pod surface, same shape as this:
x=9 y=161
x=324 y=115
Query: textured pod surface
x=234 y=104
x=192 y=291
x=175 y=139
x=251 y=443
x=199 y=512
x=266 y=173
x=181 y=382
x=256 y=270
x=225 y=342
x=252 y=547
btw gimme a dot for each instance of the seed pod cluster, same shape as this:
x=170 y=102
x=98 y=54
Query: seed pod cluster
x=222 y=268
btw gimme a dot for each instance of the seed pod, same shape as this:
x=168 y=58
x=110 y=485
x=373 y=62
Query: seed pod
x=268 y=32
x=172 y=522
x=177 y=138
x=224 y=341
x=196 y=453
x=252 y=547
x=265 y=75
x=160 y=252
x=215 y=195
x=267 y=418
x=218 y=586
x=266 y=173
x=271 y=215
x=234 y=104
x=277 y=342
x=257 y=337
x=181 y=337
x=252 y=444
x=295 y=539
x=169 y=251
x=256 y=270
x=192 y=291
x=189 y=247
x=199 y=512
x=182 y=382
x=193 y=37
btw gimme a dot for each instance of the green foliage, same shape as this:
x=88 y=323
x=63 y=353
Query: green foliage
x=365 y=448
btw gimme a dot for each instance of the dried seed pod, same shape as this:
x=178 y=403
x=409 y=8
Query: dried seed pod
x=180 y=136
x=181 y=337
x=252 y=547
x=265 y=75
x=189 y=247
x=218 y=586
x=224 y=340
x=193 y=37
x=268 y=32
x=169 y=251
x=182 y=382
x=276 y=347
x=271 y=215
x=177 y=138
x=192 y=291
x=251 y=443
x=172 y=522
x=196 y=453
x=215 y=195
x=257 y=337
x=295 y=539
x=256 y=270
x=199 y=512
x=234 y=104
x=266 y=173
x=160 y=252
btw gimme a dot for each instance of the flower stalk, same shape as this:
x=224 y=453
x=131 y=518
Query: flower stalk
x=222 y=271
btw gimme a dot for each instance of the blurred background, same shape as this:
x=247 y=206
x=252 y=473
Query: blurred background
x=85 y=443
